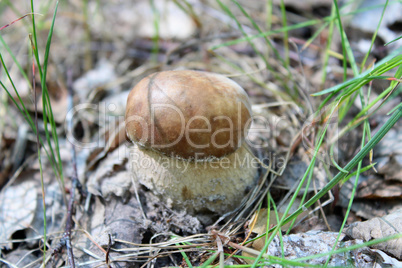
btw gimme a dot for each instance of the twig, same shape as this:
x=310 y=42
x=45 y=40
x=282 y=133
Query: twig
x=109 y=245
x=75 y=184
x=69 y=224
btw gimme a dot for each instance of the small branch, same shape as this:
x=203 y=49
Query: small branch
x=74 y=179
x=69 y=224
x=75 y=185
x=109 y=245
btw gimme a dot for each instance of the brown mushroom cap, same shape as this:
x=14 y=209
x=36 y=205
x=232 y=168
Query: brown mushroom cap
x=188 y=114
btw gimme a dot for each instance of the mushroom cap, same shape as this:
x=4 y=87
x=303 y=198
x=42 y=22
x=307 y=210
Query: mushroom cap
x=188 y=114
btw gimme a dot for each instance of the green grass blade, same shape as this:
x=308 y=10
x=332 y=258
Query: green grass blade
x=356 y=83
x=328 y=46
x=265 y=34
x=210 y=260
x=49 y=110
x=343 y=42
x=293 y=27
x=358 y=157
x=23 y=73
x=351 y=248
x=285 y=34
x=396 y=39
x=239 y=25
x=359 y=165
x=255 y=25
x=354 y=173
x=374 y=37
x=35 y=51
x=24 y=111
x=185 y=257
x=309 y=168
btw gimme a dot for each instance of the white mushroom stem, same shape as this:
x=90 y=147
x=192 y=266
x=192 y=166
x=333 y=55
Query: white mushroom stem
x=216 y=186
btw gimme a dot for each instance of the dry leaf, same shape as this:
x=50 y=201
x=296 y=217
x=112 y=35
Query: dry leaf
x=387 y=260
x=388 y=154
x=107 y=179
x=379 y=188
x=114 y=136
x=379 y=228
x=17 y=209
x=392 y=167
x=378 y=202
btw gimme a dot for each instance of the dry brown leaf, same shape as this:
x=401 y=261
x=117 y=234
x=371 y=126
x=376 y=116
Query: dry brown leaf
x=392 y=168
x=388 y=153
x=378 y=188
x=379 y=228
x=107 y=179
x=114 y=136
x=369 y=209
x=366 y=207
x=17 y=209
x=385 y=259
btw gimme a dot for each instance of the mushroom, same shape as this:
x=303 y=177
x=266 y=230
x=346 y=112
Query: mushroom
x=188 y=131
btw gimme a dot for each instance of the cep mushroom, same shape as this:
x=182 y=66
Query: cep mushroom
x=188 y=129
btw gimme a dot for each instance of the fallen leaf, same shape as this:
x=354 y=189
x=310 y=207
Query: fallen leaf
x=386 y=260
x=17 y=209
x=107 y=179
x=379 y=228
x=375 y=187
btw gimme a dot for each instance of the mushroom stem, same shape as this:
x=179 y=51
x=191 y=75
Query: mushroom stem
x=199 y=187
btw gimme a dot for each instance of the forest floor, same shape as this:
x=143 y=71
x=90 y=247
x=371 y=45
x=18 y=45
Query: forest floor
x=327 y=133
